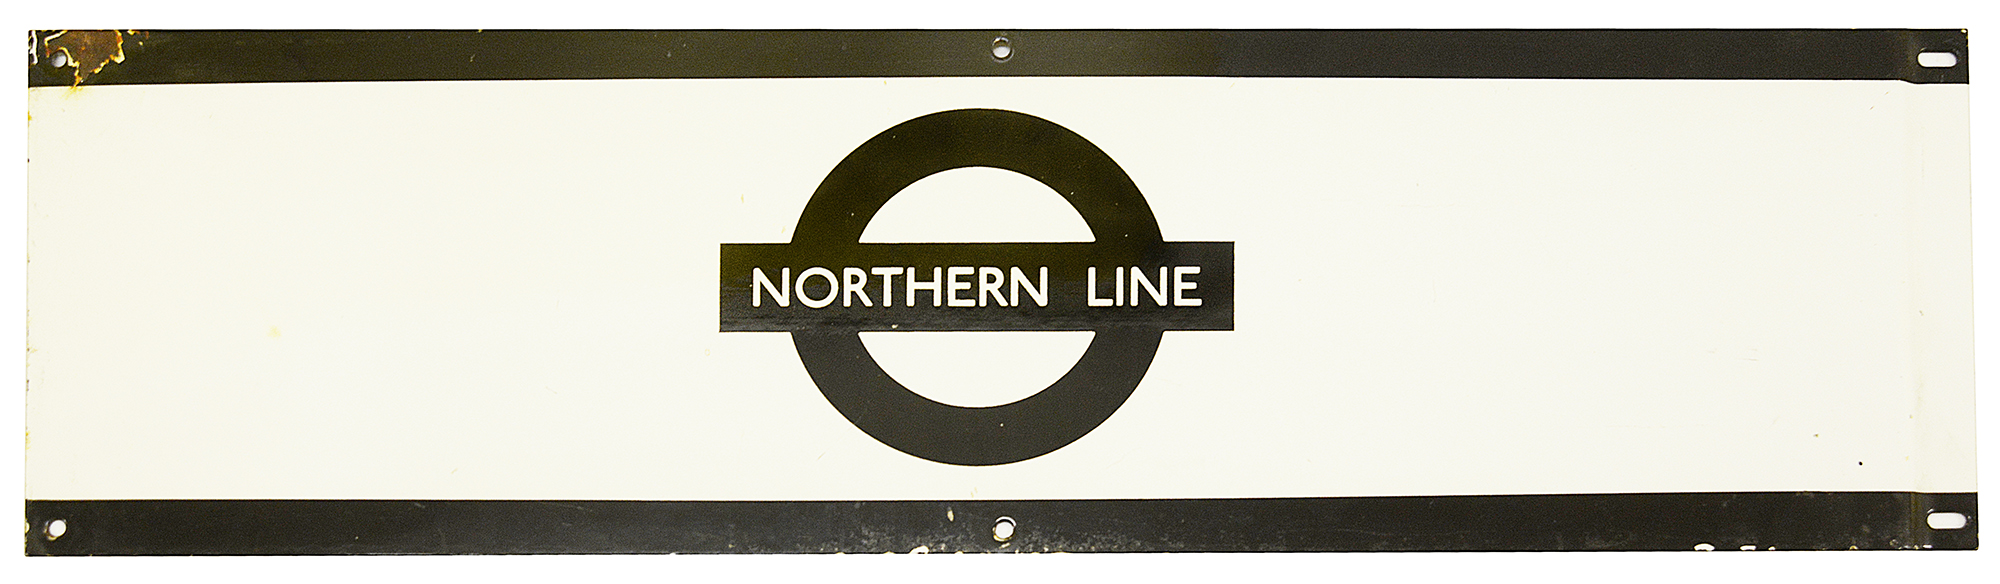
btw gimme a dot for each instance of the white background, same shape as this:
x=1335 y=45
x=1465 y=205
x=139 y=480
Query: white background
x=1579 y=567
x=1444 y=286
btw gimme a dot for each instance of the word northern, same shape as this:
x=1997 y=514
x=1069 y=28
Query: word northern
x=948 y=286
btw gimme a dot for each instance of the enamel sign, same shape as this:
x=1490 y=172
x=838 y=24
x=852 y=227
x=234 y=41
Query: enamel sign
x=998 y=291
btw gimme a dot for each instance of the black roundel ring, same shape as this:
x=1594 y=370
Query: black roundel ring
x=1126 y=236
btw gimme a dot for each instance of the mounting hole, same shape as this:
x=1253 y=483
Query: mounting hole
x=1946 y=520
x=1704 y=547
x=1937 y=60
x=56 y=528
x=1003 y=529
x=59 y=60
x=1003 y=50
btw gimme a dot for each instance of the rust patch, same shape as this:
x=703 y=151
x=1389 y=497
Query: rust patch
x=87 y=51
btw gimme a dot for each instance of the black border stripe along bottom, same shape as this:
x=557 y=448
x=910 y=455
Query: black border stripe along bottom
x=1650 y=521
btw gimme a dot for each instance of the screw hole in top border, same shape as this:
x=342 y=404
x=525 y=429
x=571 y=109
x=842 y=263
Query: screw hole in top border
x=1937 y=59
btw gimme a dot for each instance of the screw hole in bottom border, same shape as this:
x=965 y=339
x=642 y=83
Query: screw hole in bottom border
x=1003 y=529
x=1946 y=520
